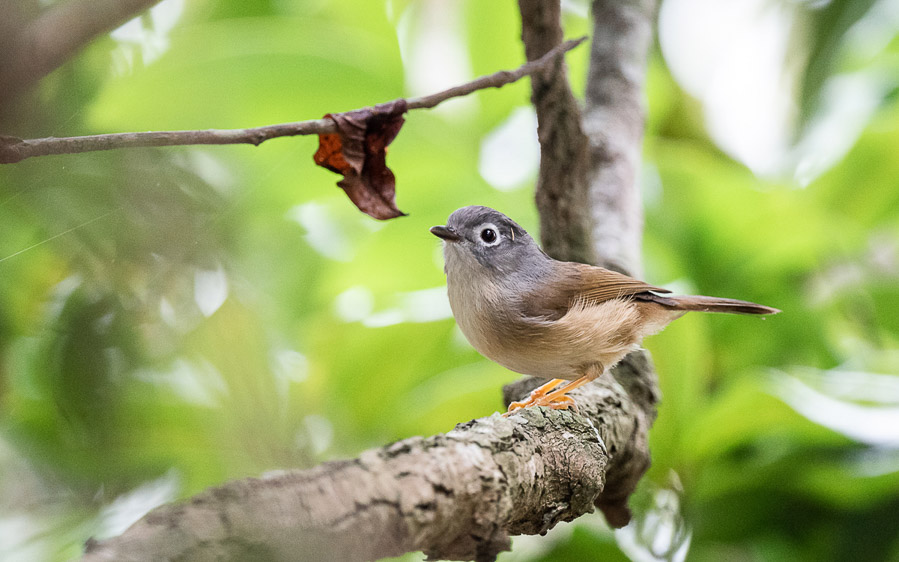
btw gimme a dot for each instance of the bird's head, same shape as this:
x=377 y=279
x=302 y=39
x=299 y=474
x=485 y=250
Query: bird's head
x=484 y=238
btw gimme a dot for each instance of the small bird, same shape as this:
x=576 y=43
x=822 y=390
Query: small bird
x=553 y=319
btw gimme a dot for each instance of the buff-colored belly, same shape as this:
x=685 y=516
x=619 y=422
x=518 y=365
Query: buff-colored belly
x=586 y=337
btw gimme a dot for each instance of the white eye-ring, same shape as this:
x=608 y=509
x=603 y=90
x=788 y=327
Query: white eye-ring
x=489 y=234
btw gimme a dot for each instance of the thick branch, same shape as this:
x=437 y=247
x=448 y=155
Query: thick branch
x=614 y=121
x=457 y=496
x=15 y=150
x=57 y=34
x=561 y=192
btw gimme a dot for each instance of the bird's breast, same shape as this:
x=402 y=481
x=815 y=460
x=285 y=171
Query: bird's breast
x=482 y=308
x=490 y=317
x=489 y=314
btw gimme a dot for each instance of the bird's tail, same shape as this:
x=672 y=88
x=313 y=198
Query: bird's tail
x=713 y=304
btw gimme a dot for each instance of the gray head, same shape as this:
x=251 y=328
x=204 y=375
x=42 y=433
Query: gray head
x=496 y=242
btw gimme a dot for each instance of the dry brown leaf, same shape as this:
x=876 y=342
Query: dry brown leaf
x=358 y=151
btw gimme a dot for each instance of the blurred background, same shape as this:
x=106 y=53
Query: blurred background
x=173 y=318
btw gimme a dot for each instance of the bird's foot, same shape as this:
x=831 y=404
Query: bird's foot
x=559 y=403
x=543 y=396
x=555 y=399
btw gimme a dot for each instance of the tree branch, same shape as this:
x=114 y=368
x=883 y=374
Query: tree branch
x=614 y=121
x=562 y=187
x=14 y=150
x=456 y=496
x=57 y=34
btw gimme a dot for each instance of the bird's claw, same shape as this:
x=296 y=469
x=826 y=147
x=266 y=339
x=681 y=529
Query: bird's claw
x=562 y=402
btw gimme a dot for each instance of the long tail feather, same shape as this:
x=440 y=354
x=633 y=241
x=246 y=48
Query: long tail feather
x=712 y=304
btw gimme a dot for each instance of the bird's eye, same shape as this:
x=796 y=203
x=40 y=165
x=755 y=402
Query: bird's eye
x=488 y=235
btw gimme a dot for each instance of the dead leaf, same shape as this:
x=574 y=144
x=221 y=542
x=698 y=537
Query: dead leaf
x=358 y=151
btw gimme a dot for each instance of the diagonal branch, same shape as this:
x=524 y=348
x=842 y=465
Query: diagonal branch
x=457 y=496
x=14 y=150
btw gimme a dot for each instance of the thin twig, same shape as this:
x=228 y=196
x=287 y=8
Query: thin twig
x=14 y=150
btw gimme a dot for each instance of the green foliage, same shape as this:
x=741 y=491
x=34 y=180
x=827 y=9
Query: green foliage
x=173 y=318
x=827 y=29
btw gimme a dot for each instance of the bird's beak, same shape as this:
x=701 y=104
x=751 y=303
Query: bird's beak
x=445 y=232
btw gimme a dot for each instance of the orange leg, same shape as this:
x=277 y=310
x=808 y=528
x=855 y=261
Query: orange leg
x=537 y=394
x=560 y=394
x=556 y=399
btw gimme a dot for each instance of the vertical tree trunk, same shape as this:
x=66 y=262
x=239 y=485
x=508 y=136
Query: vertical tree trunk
x=614 y=122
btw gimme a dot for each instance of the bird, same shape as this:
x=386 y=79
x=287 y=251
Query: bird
x=565 y=321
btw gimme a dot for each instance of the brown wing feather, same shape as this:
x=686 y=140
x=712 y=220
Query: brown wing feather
x=599 y=284
x=579 y=282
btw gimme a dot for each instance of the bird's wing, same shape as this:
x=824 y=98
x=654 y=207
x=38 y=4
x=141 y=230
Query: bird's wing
x=577 y=282
x=598 y=284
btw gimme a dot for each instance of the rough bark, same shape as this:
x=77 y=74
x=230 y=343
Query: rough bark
x=456 y=496
x=562 y=188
